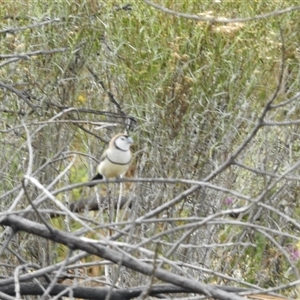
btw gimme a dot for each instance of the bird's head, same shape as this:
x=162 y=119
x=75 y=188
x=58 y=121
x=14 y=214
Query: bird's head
x=122 y=142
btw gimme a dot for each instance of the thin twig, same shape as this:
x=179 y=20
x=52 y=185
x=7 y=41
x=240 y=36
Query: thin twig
x=34 y=53
x=221 y=20
x=18 y=93
x=35 y=209
x=12 y=30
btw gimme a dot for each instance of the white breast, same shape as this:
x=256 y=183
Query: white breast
x=115 y=164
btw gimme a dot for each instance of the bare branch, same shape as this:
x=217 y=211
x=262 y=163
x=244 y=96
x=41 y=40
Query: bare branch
x=48 y=22
x=74 y=242
x=34 y=53
x=18 y=93
x=221 y=20
x=120 y=294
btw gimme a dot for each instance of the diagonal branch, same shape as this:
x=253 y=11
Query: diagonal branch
x=18 y=93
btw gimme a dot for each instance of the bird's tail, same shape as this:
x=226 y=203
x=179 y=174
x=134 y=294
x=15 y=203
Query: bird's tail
x=97 y=177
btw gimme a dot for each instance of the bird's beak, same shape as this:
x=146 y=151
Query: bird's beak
x=130 y=140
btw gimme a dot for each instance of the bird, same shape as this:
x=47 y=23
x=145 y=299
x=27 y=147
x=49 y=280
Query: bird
x=116 y=159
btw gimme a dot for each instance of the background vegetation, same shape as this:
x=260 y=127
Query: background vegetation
x=216 y=110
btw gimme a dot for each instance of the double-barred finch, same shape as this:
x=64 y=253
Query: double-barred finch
x=116 y=159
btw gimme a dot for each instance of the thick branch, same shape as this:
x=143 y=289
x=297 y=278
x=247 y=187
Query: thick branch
x=101 y=293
